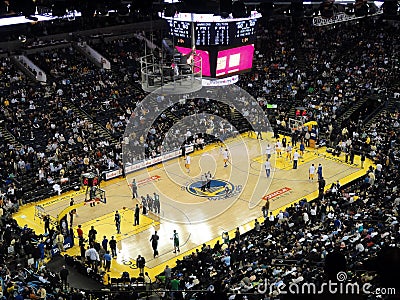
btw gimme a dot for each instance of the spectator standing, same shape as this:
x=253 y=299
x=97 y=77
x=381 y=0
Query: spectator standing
x=154 y=243
x=257 y=226
x=362 y=159
x=60 y=242
x=271 y=219
x=265 y=208
x=107 y=259
x=147 y=281
x=174 y=288
x=104 y=243
x=267 y=166
x=92 y=257
x=208 y=178
x=71 y=217
x=113 y=246
x=175 y=238
x=284 y=141
x=351 y=156
x=225 y=237
x=237 y=235
x=82 y=248
x=371 y=176
x=64 y=277
x=80 y=232
x=295 y=159
x=117 y=219
x=167 y=274
x=319 y=172
x=140 y=263
x=321 y=187
x=92 y=235
x=136 y=215
x=157 y=204
x=42 y=293
x=150 y=202
x=307 y=138
x=134 y=189
x=302 y=148
x=203 y=182
x=144 y=205
x=294 y=137
x=46 y=220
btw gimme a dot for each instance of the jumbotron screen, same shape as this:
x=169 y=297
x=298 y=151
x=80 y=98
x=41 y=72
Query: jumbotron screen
x=212 y=30
x=205 y=59
x=235 y=60
x=226 y=45
x=227 y=62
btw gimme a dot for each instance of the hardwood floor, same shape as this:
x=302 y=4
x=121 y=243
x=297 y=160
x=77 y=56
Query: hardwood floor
x=197 y=217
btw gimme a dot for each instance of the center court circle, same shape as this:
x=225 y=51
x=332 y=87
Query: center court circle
x=140 y=153
x=218 y=187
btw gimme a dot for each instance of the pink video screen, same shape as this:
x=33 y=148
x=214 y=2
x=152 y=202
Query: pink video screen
x=205 y=59
x=234 y=60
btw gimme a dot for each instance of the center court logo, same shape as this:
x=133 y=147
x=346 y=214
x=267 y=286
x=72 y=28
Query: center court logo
x=218 y=188
x=155 y=130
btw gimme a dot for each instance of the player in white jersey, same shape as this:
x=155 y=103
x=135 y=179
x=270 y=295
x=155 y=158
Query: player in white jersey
x=187 y=163
x=289 y=150
x=311 y=172
x=278 y=148
x=226 y=157
x=268 y=151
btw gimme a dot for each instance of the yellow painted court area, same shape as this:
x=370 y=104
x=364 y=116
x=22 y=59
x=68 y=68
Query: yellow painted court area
x=181 y=208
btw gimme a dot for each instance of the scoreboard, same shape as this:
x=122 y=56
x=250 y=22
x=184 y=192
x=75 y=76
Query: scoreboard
x=225 y=33
x=225 y=45
x=227 y=62
x=180 y=30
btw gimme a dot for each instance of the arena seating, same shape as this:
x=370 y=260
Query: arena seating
x=83 y=112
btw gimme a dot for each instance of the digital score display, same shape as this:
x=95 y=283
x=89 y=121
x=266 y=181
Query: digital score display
x=225 y=45
x=221 y=33
x=229 y=62
x=245 y=29
x=232 y=33
x=225 y=33
x=234 y=60
x=180 y=30
x=205 y=59
x=203 y=33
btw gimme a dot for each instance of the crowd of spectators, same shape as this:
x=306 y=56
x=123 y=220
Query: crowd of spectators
x=310 y=67
x=59 y=126
x=58 y=143
x=352 y=229
x=23 y=274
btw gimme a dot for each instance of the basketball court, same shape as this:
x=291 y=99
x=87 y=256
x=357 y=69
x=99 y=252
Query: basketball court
x=234 y=199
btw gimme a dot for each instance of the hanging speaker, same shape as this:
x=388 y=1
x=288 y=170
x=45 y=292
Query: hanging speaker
x=225 y=8
x=239 y=10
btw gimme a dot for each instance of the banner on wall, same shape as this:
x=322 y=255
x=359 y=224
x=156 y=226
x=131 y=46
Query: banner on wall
x=68 y=243
x=148 y=162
